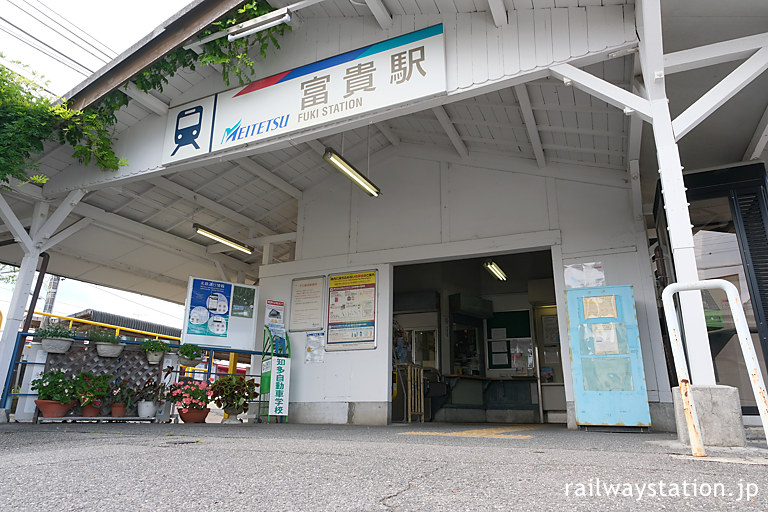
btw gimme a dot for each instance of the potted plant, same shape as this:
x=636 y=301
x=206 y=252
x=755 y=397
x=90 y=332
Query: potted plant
x=154 y=350
x=55 y=393
x=56 y=338
x=122 y=398
x=191 y=399
x=107 y=344
x=149 y=397
x=190 y=354
x=232 y=393
x=91 y=390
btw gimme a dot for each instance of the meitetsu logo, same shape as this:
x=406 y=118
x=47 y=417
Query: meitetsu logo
x=238 y=132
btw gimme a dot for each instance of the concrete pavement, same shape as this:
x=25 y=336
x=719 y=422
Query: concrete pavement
x=426 y=467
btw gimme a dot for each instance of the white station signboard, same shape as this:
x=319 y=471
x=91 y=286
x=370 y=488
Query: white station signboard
x=373 y=78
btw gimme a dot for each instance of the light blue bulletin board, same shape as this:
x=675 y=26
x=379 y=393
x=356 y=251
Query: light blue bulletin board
x=606 y=362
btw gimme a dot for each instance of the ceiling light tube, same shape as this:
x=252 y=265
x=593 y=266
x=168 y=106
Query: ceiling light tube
x=219 y=237
x=333 y=158
x=264 y=22
x=495 y=270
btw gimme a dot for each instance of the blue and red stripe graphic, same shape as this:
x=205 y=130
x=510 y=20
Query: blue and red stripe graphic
x=341 y=59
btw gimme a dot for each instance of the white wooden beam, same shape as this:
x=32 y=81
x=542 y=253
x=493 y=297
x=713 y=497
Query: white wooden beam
x=157 y=238
x=380 y=12
x=209 y=204
x=498 y=12
x=267 y=254
x=58 y=216
x=720 y=93
x=65 y=233
x=268 y=176
x=606 y=91
x=530 y=123
x=13 y=224
x=388 y=133
x=759 y=139
x=116 y=265
x=711 y=54
x=147 y=100
x=450 y=130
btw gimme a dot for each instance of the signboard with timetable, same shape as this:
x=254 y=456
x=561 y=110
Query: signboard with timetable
x=369 y=79
x=220 y=314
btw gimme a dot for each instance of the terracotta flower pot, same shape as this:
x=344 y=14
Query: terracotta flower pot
x=90 y=410
x=53 y=408
x=194 y=415
x=118 y=410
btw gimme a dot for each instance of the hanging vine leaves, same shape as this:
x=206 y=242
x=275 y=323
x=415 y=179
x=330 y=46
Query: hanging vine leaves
x=28 y=118
x=231 y=56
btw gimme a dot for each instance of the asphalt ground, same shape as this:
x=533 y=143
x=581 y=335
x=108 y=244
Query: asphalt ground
x=440 y=467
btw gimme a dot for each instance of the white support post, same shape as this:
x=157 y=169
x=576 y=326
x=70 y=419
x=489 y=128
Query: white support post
x=498 y=12
x=41 y=229
x=15 y=317
x=673 y=190
x=267 y=254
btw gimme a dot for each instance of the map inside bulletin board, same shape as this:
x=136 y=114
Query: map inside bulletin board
x=351 y=311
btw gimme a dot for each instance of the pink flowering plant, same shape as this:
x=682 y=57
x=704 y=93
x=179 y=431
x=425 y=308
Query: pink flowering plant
x=194 y=394
x=54 y=385
x=92 y=389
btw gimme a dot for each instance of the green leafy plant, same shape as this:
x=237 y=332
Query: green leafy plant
x=234 y=392
x=121 y=393
x=56 y=385
x=91 y=389
x=231 y=56
x=101 y=336
x=28 y=118
x=54 y=331
x=193 y=394
x=190 y=351
x=152 y=392
x=154 y=346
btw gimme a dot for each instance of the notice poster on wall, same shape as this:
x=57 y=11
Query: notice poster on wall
x=351 y=311
x=220 y=314
x=209 y=308
x=307 y=296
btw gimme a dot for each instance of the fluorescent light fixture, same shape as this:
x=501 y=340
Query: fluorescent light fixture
x=222 y=238
x=495 y=270
x=333 y=158
x=269 y=20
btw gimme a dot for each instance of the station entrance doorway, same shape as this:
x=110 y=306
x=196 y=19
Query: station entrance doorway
x=471 y=347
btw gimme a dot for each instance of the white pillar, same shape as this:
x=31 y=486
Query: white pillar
x=673 y=190
x=16 y=311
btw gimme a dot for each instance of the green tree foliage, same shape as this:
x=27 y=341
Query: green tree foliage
x=231 y=56
x=28 y=118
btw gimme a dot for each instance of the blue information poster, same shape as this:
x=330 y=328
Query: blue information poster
x=209 y=307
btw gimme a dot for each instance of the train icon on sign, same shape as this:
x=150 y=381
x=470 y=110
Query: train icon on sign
x=188 y=123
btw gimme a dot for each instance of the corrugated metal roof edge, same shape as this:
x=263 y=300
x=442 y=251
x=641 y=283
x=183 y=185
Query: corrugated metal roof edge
x=126 y=322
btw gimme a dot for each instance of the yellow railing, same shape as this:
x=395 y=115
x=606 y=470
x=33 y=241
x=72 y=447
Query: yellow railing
x=108 y=326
